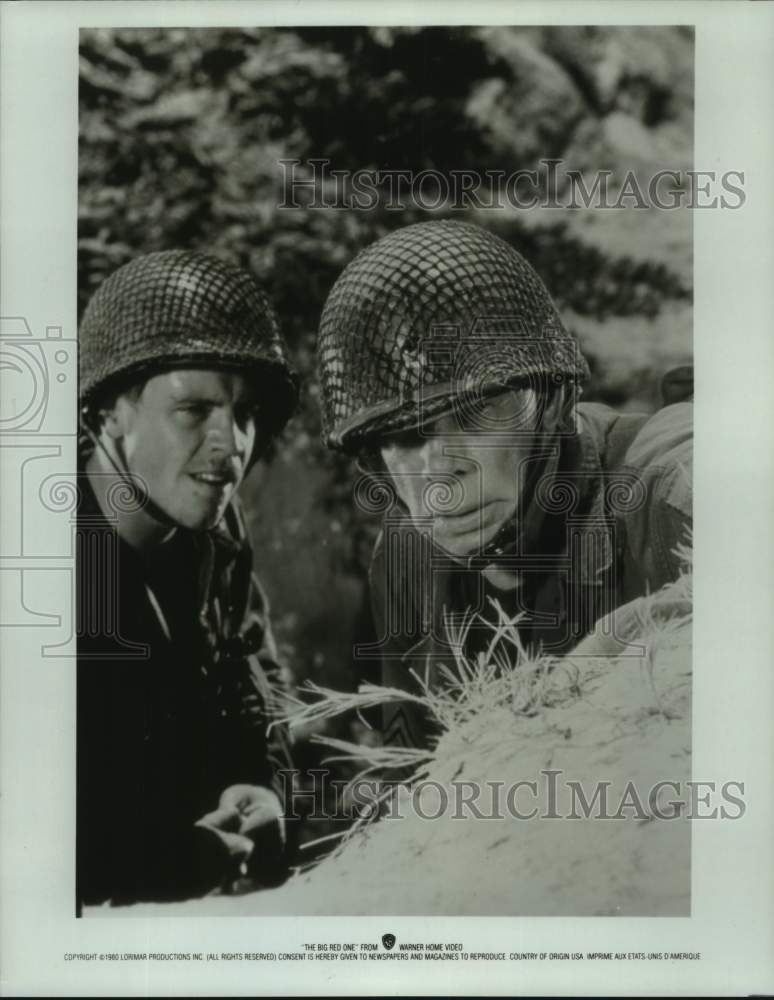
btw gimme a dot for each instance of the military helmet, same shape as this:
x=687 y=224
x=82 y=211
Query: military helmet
x=427 y=313
x=175 y=309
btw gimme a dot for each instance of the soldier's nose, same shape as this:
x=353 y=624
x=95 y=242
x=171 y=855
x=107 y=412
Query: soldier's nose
x=224 y=436
x=445 y=454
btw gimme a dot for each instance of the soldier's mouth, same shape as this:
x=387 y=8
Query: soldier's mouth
x=214 y=479
x=468 y=519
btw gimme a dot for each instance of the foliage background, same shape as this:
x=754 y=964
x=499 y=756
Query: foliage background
x=181 y=133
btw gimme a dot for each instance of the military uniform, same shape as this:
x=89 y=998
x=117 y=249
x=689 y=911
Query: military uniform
x=433 y=320
x=177 y=670
x=177 y=685
x=616 y=536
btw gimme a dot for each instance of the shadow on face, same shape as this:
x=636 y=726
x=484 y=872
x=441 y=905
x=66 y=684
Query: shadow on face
x=187 y=436
x=461 y=475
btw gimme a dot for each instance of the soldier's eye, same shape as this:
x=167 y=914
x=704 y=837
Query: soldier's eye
x=195 y=410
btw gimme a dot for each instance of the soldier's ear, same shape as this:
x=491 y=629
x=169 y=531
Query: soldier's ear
x=108 y=421
x=114 y=418
x=113 y=411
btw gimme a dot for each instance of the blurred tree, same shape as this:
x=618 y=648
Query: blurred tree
x=181 y=134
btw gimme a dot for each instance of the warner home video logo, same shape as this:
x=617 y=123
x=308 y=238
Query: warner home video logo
x=38 y=438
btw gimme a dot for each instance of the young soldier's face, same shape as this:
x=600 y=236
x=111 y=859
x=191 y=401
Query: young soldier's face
x=462 y=478
x=188 y=436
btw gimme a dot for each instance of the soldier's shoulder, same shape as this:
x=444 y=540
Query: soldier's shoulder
x=665 y=438
x=662 y=455
x=658 y=447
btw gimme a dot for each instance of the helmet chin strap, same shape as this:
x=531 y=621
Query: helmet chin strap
x=144 y=501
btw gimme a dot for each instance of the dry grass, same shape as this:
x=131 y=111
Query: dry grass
x=503 y=677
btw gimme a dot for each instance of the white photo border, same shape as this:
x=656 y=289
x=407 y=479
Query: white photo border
x=732 y=922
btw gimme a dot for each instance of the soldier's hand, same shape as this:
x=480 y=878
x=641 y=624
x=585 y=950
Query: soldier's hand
x=261 y=822
x=255 y=806
x=224 y=823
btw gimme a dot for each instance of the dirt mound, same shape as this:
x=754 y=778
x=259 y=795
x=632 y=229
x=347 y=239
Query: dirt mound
x=607 y=732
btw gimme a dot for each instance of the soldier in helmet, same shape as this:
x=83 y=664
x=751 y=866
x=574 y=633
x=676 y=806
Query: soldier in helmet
x=446 y=369
x=183 y=384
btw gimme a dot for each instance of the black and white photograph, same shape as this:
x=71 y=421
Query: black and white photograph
x=399 y=321
x=371 y=495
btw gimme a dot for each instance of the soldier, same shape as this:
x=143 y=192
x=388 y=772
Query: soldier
x=446 y=369
x=183 y=384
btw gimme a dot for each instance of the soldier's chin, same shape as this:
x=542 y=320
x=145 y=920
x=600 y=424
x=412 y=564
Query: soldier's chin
x=202 y=519
x=462 y=545
x=467 y=534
